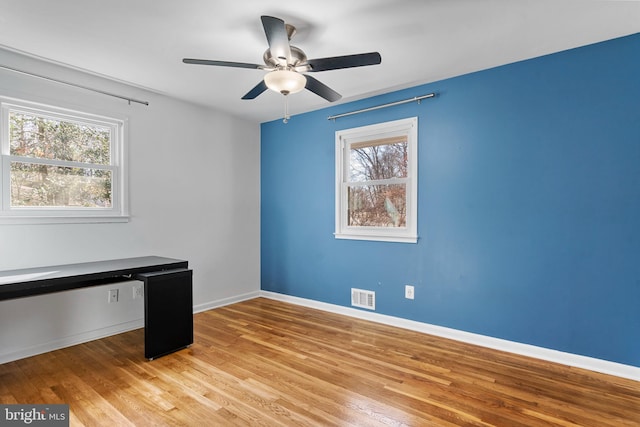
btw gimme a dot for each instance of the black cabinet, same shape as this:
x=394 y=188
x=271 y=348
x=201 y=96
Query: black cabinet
x=168 y=311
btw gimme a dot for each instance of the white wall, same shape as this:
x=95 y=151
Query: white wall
x=193 y=192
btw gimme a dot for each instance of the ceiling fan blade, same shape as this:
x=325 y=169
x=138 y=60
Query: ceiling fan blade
x=222 y=63
x=347 y=61
x=276 y=32
x=257 y=90
x=321 y=89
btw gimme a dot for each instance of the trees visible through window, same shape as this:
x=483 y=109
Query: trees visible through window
x=376 y=182
x=60 y=163
x=377 y=195
x=40 y=184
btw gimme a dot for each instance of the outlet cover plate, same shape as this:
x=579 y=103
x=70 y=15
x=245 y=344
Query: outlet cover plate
x=138 y=291
x=113 y=295
x=409 y=292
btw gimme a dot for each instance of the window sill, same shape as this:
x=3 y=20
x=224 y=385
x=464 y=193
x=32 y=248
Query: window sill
x=25 y=220
x=377 y=238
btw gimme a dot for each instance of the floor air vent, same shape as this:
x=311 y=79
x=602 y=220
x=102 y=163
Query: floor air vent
x=363 y=299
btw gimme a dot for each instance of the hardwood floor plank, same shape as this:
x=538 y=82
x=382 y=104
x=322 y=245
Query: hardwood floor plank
x=268 y=363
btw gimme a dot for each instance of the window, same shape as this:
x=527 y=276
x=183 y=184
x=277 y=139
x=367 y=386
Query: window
x=59 y=165
x=376 y=182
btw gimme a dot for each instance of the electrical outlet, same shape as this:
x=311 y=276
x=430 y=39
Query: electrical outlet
x=113 y=295
x=408 y=292
x=138 y=291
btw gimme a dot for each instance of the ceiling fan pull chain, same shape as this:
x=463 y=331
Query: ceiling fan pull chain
x=285 y=120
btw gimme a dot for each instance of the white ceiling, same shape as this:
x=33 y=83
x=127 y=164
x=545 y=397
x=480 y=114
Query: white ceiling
x=142 y=42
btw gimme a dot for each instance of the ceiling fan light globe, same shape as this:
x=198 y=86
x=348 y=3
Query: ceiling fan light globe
x=285 y=81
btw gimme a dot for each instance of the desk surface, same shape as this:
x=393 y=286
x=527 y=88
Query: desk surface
x=42 y=280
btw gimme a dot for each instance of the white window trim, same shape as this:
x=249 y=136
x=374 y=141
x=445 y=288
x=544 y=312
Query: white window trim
x=344 y=139
x=119 y=211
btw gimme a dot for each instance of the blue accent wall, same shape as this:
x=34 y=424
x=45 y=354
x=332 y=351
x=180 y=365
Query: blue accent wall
x=528 y=214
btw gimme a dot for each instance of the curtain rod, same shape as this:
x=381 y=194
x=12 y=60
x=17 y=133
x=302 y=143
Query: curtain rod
x=130 y=100
x=391 y=104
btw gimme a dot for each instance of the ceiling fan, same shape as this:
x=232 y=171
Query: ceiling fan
x=286 y=64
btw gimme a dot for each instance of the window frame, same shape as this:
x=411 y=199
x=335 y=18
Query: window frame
x=344 y=139
x=118 y=212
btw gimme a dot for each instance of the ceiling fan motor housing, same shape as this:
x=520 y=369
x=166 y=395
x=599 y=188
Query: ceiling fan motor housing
x=298 y=57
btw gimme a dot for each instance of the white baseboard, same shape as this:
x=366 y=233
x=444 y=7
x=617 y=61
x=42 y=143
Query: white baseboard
x=71 y=340
x=225 y=301
x=569 y=359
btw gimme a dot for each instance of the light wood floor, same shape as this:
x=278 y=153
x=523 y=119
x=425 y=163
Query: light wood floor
x=264 y=362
